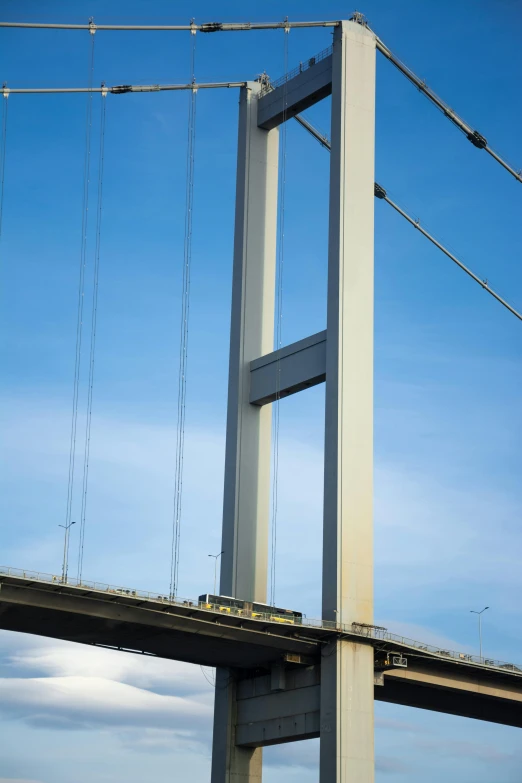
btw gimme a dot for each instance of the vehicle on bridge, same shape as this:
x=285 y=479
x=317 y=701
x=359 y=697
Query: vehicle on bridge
x=225 y=603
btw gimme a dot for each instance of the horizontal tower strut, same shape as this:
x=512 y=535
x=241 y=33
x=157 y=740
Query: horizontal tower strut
x=295 y=93
x=289 y=370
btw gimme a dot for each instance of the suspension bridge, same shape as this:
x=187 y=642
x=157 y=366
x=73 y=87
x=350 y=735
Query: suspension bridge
x=279 y=678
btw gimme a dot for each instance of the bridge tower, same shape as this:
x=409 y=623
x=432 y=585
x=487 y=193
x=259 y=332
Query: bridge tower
x=334 y=698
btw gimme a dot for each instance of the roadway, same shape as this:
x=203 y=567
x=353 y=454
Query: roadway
x=134 y=622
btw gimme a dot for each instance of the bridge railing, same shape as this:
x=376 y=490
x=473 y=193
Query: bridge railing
x=359 y=629
x=88 y=584
x=376 y=632
x=268 y=86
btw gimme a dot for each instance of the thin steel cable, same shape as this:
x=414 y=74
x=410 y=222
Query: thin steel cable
x=278 y=336
x=3 y=147
x=184 y=334
x=210 y=682
x=92 y=354
x=381 y=193
x=79 y=320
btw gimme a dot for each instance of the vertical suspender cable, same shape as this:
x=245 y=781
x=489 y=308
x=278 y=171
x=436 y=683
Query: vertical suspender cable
x=184 y=327
x=79 y=319
x=92 y=354
x=279 y=333
x=3 y=147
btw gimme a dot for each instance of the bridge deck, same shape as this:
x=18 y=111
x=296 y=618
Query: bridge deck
x=189 y=633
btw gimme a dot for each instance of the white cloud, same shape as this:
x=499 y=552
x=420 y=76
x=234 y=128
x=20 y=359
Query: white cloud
x=154 y=740
x=18 y=780
x=392 y=724
x=76 y=686
x=95 y=701
x=432 y=534
x=300 y=755
x=62 y=659
x=390 y=765
x=466 y=749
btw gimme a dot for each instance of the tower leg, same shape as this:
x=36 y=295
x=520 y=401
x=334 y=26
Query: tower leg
x=244 y=563
x=230 y=763
x=346 y=712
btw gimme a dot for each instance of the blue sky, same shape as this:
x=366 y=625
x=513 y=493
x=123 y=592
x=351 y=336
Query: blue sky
x=447 y=369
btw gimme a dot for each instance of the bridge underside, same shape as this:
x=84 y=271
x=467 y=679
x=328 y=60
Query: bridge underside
x=194 y=636
x=278 y=666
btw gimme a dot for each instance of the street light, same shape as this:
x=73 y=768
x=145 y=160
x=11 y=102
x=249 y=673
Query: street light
x=215 y=568
x=480 y=625
x=65 y=550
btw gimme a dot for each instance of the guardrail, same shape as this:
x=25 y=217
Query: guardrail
x=376 y=632
x=358 y=629
x=303 y=66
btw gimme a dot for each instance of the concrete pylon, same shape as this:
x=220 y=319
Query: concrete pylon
x=244 y=565
x=334 y=699
x=347 y=672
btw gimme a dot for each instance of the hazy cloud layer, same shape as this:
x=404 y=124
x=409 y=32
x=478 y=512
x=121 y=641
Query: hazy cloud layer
x=51 y=683
x=89 y=701
x=18 y=780
x=54 y=659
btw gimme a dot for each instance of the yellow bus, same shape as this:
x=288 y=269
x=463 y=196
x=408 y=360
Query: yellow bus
x=225 y=603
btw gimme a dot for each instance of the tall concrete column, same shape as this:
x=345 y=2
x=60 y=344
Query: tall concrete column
x=346 y=722
x=244 y=563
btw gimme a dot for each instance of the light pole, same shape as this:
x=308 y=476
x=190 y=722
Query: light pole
x=480 y=625
x=65 y=549
x=215 y=568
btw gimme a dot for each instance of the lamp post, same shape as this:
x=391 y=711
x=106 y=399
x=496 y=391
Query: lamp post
x=215 y=568
x=480 y=626
x=65 y=550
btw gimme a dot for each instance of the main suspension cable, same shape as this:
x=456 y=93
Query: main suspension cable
x=79 y=320
x=381 y=193
x=120 y=89
x=92 y=355
x=208 y=27
x=184 y=333
x=476 y=138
